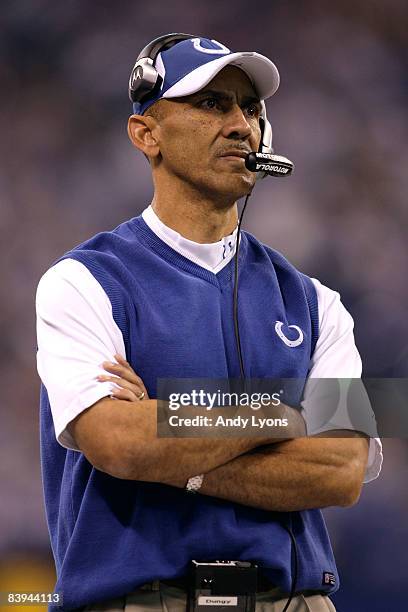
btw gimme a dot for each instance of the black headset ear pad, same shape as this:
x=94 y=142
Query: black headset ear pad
x=148 y=81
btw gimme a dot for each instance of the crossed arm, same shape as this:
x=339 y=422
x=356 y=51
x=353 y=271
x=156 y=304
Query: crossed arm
x=118 y=436
x=309 y=472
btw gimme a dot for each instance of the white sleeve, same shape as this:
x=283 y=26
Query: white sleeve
x=76 y=332
x=336 y=356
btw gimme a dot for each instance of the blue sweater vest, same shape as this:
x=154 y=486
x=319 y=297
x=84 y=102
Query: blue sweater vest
x=110 y=536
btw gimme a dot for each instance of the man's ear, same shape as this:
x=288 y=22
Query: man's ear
x=142 y=133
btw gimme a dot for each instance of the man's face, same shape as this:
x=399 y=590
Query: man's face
x=204 y=137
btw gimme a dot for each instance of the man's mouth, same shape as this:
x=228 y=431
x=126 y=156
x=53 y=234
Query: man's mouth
x=234 y=154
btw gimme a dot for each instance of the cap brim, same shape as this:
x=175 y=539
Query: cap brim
x=262 y=72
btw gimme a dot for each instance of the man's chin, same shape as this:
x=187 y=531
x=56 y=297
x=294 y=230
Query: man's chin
x=237 y=184
x=228 y=186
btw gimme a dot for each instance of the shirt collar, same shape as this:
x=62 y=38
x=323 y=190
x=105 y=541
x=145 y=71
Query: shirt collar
x=213 y=256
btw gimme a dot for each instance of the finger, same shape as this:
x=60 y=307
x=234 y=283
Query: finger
x=125 y=394
x=121 y=382
x=122 y=361
x=125 y=364
x=127 y=374
x=122 y=371
x=137 y=389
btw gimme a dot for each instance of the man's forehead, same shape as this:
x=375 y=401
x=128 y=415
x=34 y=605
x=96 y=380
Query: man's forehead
x=230 y=80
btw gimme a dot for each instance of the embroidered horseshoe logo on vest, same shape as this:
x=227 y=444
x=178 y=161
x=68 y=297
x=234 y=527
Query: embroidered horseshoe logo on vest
x=292 y=343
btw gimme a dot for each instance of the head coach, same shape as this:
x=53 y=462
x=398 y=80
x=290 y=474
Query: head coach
x=139 y=522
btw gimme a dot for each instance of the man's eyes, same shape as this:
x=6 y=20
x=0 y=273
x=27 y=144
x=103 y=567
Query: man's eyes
x=210 y=103
x=252 y=109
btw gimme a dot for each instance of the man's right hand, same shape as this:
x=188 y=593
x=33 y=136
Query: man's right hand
x=130 y=386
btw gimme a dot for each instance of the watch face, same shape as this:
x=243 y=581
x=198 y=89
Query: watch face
x=195 y=483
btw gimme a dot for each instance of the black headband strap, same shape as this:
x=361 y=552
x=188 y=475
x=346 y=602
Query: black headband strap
x=154 y=47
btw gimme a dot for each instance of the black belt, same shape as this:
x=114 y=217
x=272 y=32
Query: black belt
x=263 y=584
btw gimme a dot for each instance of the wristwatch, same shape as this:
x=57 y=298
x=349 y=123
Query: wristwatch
x=194 y=483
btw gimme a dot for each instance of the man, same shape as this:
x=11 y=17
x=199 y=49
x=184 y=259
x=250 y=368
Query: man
x=153 y=299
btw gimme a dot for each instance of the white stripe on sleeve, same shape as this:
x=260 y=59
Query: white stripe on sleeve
x=336 y=356
x=76 y=332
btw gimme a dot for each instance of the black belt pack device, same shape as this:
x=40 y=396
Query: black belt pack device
x=217 y=586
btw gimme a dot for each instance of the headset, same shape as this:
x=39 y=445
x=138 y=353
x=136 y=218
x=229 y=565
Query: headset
x=145 y=81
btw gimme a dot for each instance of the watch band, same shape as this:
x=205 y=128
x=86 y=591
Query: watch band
x=194 y=483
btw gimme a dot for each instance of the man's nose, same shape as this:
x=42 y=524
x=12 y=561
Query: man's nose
x=236 y=124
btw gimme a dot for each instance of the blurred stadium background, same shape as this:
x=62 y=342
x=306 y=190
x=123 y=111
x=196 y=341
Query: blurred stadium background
x=68 y=171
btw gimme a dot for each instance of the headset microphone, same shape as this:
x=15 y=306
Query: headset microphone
x=273 y=165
